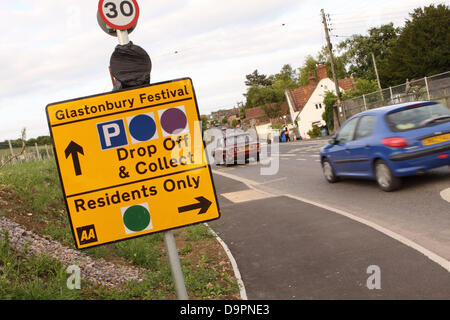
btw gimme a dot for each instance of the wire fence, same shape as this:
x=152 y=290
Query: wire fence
x=436 y=87
x=31 y=153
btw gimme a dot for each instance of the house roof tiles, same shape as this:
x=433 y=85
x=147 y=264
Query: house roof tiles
x=300 y=96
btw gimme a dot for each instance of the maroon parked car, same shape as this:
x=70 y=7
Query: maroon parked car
x=236 y=149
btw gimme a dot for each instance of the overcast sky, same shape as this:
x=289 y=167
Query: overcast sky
x=53 y=50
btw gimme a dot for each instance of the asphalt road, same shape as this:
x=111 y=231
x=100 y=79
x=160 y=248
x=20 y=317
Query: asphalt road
x=417 y=211
x=290 y=249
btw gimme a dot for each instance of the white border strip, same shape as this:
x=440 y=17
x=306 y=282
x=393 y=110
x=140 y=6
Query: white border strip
x=445 y=194
x=237 y=273
x=444 y=263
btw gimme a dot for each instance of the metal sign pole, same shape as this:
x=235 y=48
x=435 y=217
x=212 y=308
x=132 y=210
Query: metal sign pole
x=122 y=35
x=175 y=266
x=108 y=23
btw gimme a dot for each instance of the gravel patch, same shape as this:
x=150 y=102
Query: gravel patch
x=96 y=270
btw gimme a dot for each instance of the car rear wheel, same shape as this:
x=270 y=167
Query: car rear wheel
x=328 y=172
x=385 y=179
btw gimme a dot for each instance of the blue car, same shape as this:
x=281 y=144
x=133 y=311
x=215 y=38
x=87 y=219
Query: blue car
x=388 y=143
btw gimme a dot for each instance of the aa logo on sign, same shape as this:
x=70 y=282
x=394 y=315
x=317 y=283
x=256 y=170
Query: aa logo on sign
x=87 y=234
x=112 y=134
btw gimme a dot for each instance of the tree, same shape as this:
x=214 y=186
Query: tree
x=328 y=115
x=423 y=47
x=287 y=78
x=357 y=52
x=43 y=140
x=339 y=63
x=273 y=111
x=362 y=86
x=17 y=143
x=242 y=112
x=308 y=66
x=257 y=79
x=260 y=96
x=287 y=74
x=204 y=123
x=31 y=142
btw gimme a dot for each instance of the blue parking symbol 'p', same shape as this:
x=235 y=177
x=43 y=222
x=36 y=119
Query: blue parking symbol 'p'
x=112 y=134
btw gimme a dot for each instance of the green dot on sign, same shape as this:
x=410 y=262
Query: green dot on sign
x=136 y=218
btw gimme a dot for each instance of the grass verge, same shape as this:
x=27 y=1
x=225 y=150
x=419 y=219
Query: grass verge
x=30 y=194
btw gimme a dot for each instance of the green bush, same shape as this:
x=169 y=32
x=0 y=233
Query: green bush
x=328 y=116
x=314 y=132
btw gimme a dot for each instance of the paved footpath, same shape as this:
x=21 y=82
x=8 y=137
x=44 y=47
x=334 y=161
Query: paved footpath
x=288 y=249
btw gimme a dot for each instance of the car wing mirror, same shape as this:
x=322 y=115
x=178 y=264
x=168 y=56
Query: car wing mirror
x=333 y=140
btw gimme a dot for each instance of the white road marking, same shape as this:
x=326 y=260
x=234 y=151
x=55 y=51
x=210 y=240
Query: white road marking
x=445 y=194
x=266 y=161
x=273 y=180
x=228 y=168
x=301 y=159
x=246 y=195
x=281 y=155
x=429 y=254
x=237 y=273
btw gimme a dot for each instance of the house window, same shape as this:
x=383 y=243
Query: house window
x=318 y=106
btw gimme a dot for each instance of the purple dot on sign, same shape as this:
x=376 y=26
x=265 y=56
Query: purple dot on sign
x=173 y=121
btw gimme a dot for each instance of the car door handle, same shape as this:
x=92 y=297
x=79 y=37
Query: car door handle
x=367 y=145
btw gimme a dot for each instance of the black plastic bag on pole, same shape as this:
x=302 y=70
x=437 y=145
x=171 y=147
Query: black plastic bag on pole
x=130 y=65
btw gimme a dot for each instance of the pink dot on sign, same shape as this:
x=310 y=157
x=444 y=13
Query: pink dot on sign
x=173 y=121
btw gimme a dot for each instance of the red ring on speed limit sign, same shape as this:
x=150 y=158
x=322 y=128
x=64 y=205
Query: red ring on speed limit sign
x=119 y=14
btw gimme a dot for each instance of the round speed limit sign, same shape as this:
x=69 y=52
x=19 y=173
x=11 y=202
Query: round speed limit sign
x=119 y=14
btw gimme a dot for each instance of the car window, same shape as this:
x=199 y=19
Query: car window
x=244 y=138
x=347 y=131
x=365 y=127
x=240 y=139
x=417 y=116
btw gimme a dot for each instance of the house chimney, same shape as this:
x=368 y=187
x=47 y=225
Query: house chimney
x=311 y=78
x=321 y=70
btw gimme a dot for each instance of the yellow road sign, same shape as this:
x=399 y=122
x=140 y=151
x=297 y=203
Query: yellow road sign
x=132 y=162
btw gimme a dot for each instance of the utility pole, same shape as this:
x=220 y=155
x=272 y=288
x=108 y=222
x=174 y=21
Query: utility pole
x=376 y=70
x=333 y=68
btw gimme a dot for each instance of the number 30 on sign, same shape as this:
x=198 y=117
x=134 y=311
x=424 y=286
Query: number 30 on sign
x=119 y=14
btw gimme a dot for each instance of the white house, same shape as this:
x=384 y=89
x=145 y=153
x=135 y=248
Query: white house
x=306 y=103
